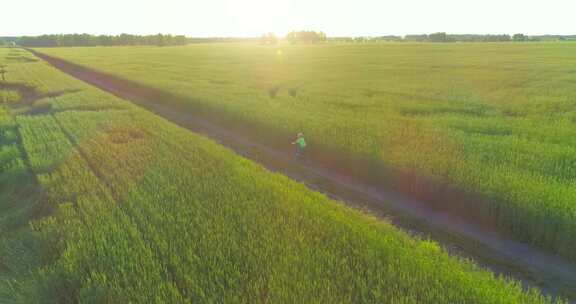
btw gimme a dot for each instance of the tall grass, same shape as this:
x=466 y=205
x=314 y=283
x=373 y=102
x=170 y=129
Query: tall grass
x=492 y=119
x=147 y=212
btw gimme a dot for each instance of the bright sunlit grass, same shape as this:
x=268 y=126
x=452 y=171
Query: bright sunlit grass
x=148 y=212
x=491 y=118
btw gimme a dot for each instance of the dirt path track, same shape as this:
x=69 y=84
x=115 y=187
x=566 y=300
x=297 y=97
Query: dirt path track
x=487 y=247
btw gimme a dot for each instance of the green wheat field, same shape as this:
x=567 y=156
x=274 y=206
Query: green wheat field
x=104 y=202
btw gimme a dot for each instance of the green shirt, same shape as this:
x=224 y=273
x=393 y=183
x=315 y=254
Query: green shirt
x=301 y=142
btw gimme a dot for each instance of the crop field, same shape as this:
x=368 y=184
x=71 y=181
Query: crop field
x=497 y=120
x=103 y=202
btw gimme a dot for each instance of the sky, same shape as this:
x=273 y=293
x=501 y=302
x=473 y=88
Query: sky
x=244 y=18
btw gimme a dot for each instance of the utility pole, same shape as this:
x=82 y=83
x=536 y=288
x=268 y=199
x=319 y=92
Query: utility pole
x=3 y=72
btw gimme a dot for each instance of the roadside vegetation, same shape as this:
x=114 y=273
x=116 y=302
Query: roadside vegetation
x=133 y=209
x=494 y=120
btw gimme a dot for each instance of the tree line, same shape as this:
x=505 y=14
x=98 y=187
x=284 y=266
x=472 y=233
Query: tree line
x=305 y=37
x=295 y=37
x=101 y=40
x=444 y=37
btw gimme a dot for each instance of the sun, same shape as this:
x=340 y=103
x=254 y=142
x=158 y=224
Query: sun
x=255 y=17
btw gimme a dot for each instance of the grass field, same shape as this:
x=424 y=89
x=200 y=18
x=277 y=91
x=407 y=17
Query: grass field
x=129 y=208
x=493 y=119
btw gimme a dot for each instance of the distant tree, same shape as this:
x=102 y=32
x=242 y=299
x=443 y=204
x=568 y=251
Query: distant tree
x=291 y=37
x=535 y=38
x=104 y=40
x=89 y=40
x=445 y=37
x=388 y=38
x=180 y=40
x=519 y=37
x=160 y=40
x=416 y=38
x=438 y=37
x=306 y=37
x=340 y=39
x=268 y=39
x=126 y=39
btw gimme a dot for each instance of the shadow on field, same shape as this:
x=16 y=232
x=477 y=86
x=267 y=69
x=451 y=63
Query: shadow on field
x=19 y=58
x=22 y=200
x=28 y=94
x=30 y=101
x=426 y=207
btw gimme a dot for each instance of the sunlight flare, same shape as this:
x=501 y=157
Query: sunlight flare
x=254 y=17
